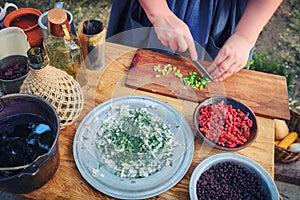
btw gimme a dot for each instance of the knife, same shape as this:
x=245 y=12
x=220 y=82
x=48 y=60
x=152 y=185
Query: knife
x=203 y=70
x=198 y=65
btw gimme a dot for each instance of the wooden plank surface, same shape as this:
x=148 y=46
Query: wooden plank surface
x=108 y=83
x=266 y=94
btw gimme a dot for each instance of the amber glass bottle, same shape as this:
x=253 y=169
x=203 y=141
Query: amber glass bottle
x=62 y=47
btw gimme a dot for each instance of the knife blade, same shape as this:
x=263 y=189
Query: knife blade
x=198 y=66
x=203 y=70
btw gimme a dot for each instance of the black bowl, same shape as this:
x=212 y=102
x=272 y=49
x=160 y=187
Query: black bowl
x=17 y=65
x=236 y=105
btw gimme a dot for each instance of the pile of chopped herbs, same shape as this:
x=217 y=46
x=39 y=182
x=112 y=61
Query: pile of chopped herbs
x=134 y=143
x=191 y=80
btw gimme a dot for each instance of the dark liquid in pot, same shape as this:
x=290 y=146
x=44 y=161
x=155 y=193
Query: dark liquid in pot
x=23 y=138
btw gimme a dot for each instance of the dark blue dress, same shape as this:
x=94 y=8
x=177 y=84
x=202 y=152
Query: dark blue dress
x=211 y=23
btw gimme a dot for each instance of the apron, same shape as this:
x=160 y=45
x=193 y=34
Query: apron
x=211 y=23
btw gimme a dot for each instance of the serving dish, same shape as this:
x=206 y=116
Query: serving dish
x=236 y=105
x=266 y=181
x=103 y=179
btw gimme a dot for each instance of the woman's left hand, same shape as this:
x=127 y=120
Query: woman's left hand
x=231 y=58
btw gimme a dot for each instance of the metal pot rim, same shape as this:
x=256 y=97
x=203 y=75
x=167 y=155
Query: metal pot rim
x=55 y=142
x=40 y=22
x=27 y=165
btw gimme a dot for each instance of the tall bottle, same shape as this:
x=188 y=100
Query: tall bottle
x=54 y=85
x=62 y=47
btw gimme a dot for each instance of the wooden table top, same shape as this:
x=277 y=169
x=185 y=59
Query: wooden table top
x=67 y=183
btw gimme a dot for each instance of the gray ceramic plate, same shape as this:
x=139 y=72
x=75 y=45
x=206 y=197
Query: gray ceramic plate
x=112 y=185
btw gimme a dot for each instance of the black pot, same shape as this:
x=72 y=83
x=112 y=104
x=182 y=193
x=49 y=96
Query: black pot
x=29 y=177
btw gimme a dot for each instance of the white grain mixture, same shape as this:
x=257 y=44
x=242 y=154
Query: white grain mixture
x=134 y=143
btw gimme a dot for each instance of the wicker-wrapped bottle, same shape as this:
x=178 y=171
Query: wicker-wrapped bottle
x=54 y=85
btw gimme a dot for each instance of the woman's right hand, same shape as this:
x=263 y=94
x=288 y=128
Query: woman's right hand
x=173 y=32
x=170 y=30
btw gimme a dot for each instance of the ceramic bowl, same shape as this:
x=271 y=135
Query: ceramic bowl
x=43 y=23
x=268 y=185
x=17 y=65
x=27 y=20
x=13 y=41
x=236 y=105
x=15 y=46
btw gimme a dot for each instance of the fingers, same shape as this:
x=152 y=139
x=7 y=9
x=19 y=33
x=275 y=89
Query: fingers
x=235 y=67
x=226 y=63
x=221 y=64
x=173 y=40
x=182 y=45
x=222 y=69
x=173 y=44
x=187 y=43
x=231 y=58
x=181 y=41
x=192 y=49
x=173 y=32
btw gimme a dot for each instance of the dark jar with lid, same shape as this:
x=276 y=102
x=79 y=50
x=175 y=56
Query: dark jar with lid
x=62 y=47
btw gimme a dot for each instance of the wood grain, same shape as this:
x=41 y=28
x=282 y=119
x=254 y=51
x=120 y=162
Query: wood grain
x=266 y=94
x=67 y=183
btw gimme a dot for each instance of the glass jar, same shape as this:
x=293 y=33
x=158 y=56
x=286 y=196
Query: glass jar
x=62 y=47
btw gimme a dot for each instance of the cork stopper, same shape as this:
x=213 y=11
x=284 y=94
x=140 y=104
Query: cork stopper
x=57 y=19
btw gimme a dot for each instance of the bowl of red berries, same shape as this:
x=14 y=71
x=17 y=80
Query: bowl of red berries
x=225 y=123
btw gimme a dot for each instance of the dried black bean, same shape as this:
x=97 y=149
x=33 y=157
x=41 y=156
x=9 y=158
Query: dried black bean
x=229 y=180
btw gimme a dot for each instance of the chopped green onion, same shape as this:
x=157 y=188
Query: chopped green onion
x=191 y=80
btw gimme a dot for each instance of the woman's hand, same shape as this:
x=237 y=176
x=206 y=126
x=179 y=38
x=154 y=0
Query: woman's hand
x=234 y=54
x=231 y=58
x=173 y=32
x=170 y=30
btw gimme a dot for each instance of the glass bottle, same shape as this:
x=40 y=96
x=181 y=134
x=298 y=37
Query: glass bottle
x=62 y=47
x=60 y=89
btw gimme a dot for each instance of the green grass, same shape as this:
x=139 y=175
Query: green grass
x=271 y=64
x=285 y=59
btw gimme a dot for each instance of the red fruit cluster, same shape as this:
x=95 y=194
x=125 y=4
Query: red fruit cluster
x=224 y=125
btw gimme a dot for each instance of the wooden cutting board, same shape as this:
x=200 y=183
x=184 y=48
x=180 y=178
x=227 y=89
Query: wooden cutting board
x=265 y=94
